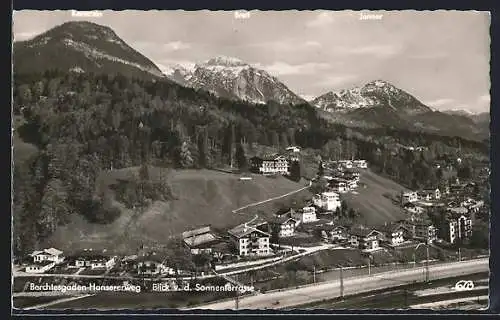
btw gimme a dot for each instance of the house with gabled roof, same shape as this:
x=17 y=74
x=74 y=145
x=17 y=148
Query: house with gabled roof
x=93 y=259
x=200 y=240
x=392 y=233
x=364 y=238
x=270 y=164
x=283 y=227
x=250 y=241
x=334 y=233
x=152 y=264
x=51 y=254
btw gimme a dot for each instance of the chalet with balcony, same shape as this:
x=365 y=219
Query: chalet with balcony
x=334 y=233
x=250 y=241
x=269 y=165
x=282 y=227
x=392 y=233
x=366 y=239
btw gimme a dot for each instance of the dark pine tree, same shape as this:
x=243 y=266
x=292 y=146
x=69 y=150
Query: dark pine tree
x=295 y=173
x=241 y=158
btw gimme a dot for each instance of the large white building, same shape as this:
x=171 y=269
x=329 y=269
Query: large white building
x=250 y=241
x=275 y=164
x=304 y=215
x=328 y=201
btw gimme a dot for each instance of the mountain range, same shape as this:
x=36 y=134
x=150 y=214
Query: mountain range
x=234 y=79
x=88 y=47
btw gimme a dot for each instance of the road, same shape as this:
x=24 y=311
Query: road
x=272 y=199
x=329 y=290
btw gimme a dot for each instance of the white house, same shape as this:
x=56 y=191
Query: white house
x=50 y=254
x=94 y=260
x=328 y=201
x=338 y=185
x=430 y=194
x=283 y=226
x=40 y=267
x=408 y=197
x=413 y=208
x=334 y=233
x=392 y=233
x=362 y=164
x=305 y=215
x=250 y=241
x=275 y=164
x=152 y=265
x=293 y=149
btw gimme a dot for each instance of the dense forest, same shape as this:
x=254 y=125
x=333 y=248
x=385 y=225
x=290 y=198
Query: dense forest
x=83 y=124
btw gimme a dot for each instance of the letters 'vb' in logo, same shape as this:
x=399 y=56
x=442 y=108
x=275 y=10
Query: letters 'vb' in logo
x=463 y=285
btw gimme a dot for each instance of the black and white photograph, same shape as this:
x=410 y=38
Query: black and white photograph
x=250 y=160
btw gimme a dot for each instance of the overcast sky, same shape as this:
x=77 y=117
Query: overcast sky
x=441 y=57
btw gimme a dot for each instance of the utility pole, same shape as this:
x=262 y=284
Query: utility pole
x=369 y=266
x=341 y=284
x=314 y=273
x=459 y=255
x=237 y=300
x=427 y=264
x=406 y=298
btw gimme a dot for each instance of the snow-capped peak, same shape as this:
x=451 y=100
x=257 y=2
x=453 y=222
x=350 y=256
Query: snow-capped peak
x=232 y=78
x=225 y=61
x=372 y=94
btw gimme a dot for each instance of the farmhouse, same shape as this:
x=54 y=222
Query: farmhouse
x=250 y=241
x=200 y=240
x=274 y=164
x=51 y=254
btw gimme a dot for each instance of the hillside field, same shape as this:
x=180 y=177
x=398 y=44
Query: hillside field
x=201 y=197
x=375 y=199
